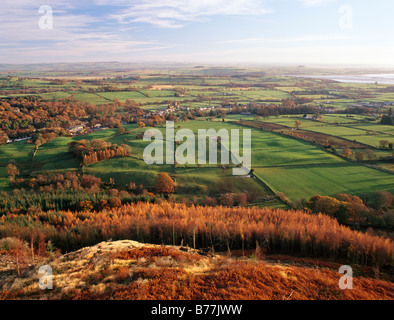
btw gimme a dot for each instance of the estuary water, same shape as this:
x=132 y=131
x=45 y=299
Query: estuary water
x=386 y=78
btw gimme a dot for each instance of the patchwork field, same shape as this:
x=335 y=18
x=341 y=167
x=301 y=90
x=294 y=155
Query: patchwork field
x=270 y=149
x=290 y=165
x=352 y=130
x=294 y=167
x=305 y=181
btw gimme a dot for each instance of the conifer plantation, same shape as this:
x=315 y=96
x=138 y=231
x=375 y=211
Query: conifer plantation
x=217 y=229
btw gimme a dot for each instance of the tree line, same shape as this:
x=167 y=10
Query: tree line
x=214 y=228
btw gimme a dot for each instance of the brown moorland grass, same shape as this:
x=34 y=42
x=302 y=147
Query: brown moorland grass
x=154 y=253
x=92 y=273
x=253 y=281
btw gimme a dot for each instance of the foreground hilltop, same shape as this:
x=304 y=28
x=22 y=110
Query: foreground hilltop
x=132 y=270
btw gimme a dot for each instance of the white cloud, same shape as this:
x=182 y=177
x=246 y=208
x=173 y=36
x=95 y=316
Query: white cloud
x=81 y=34
x=316 y=3
x=75 y=35
x=305 y=38
x=174 y=13
x=19 y=21
x=358 y=55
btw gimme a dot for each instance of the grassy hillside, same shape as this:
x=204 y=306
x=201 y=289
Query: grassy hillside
x=128 y=270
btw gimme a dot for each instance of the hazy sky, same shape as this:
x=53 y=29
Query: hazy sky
x=199 y=31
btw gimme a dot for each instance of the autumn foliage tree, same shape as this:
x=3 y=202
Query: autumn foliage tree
x=342 y=207
x=359 y=156
x=121 y=130
x=12 y=170
x=3 y=138
x=324 y=204
x=97 y=150
x=227 y=199
x=224 y=228
x=91 y=182
x=370 y=154
x=114 y=202
x=241 y=199
x=347 y=153
x=164 y=183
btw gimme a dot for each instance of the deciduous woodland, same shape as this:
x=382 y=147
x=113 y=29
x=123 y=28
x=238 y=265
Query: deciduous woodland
x=214 y=228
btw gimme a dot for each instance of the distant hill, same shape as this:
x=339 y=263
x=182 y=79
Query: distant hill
x=84 y=66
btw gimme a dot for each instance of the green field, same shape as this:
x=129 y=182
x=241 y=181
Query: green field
x=355 y=131
x=126 y=170
x=339 y=131
x=372 y=141
x=306 y=181
x=4 y=181
x=297 y=168
x=331 y=118
x=270 y=149
x=18 y=151
x=376 y=128
x=214 y=181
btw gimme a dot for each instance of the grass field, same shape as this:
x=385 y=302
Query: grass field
x=236 y=117
x=270 y=149
x=353 y=130
x=18 y=151
x=376 y=128
x=56 y=95
x=297 y=168
x=372 y=141
x=126 y=170
x=331 y=118
x=304 y=182
x=53 y=156
x=4 y=181
x=214 y=181
x=339 y=131
x=289 y=121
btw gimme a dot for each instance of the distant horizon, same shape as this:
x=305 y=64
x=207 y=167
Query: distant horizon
x=330 y=66
x=225 y=32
